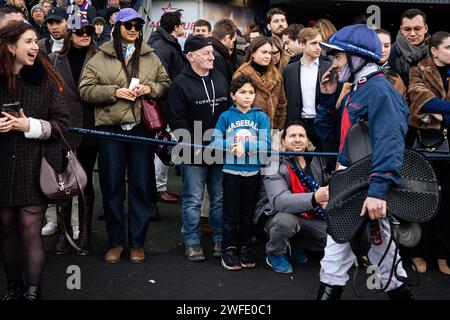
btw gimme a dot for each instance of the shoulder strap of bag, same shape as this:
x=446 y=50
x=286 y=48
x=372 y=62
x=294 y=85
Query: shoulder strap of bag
x=55 y=62
x=63 y=136
x=63 y=223
x=83 y=200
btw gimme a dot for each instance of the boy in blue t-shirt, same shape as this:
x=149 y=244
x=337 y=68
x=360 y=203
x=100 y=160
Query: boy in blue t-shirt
x=245 y=133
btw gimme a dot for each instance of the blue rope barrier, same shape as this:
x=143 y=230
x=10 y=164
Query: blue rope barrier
x=139 y=139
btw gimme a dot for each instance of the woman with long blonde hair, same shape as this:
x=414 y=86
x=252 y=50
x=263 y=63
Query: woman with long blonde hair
x=326 y=27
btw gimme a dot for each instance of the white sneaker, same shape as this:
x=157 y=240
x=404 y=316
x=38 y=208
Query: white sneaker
x=50 y=228
x=76 y=232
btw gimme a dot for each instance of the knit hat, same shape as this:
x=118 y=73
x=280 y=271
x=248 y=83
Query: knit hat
x=195 y=43
x=37 y=7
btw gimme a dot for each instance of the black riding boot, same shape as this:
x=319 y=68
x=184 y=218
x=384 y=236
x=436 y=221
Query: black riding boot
x=402 y=293
x=328 y=292
x=14 y=290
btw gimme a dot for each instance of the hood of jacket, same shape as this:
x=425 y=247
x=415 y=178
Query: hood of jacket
x=251 y=110
x=189 y=72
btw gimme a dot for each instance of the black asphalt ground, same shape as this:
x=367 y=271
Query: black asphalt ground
x=168 y=275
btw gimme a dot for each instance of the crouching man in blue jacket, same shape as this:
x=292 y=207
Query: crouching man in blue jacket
x=356 y=50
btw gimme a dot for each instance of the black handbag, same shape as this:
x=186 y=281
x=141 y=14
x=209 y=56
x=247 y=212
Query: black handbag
x=432 y=140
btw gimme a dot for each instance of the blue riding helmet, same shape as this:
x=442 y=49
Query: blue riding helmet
x=357 y=39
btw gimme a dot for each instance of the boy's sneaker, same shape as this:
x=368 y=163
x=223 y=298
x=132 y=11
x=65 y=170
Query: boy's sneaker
x=279 y=263
x=230 y=259
x=246 y=257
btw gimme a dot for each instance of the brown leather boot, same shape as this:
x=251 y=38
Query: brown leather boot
x=62 y=245
x=421 y=264
x=113 y=255
x=443 y=267
x=85 y=221
x=137 y=255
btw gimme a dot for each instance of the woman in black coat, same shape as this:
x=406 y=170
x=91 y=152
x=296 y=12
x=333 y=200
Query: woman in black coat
x=24 y=136
x=69 y=62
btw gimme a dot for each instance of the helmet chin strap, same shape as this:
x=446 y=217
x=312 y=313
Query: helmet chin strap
x=351 y=61
x=353 y=66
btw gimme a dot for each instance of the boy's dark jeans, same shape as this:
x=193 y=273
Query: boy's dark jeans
x=239 y=198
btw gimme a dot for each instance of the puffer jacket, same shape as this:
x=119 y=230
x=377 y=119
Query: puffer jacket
x=103 y=75
x=270 y=95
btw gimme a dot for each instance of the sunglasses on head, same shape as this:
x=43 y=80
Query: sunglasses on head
x=84 y=31
x=129 y=25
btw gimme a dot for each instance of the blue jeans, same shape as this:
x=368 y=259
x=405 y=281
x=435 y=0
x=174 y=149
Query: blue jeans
x=115 y=159
x=194 y=179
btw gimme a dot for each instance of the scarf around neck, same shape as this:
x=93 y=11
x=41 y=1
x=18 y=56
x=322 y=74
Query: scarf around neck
x=309 y=182
x=410 y=54
x=127 y=51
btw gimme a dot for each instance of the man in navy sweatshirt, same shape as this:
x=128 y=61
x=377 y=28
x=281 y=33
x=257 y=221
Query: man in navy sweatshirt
x=196 y=99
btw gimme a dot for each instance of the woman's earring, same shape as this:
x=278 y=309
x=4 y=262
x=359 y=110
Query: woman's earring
x=14 y=55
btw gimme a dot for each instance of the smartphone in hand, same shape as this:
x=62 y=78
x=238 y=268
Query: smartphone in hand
x=12 y=108
x=333 y=73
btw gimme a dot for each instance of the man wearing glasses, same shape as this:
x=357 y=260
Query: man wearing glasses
x=411 y=45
